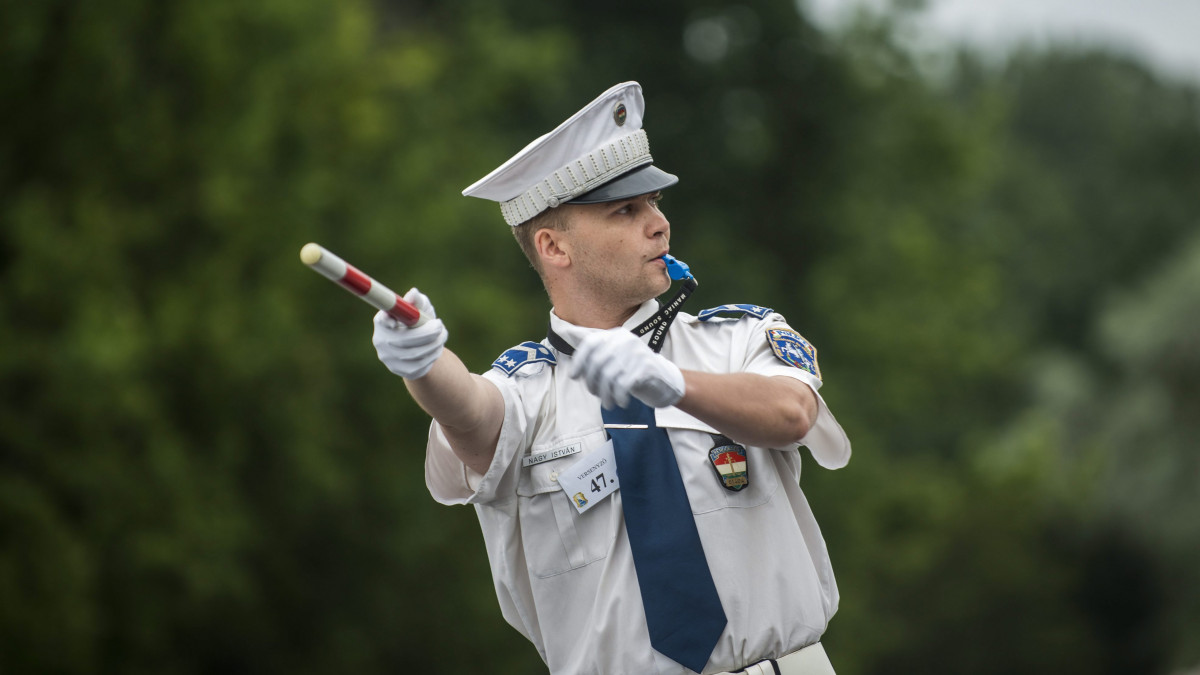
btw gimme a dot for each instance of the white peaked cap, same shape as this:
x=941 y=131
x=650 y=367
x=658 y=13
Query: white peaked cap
x=597 y=145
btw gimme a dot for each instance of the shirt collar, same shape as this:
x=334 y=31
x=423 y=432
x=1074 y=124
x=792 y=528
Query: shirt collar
x=574 y=334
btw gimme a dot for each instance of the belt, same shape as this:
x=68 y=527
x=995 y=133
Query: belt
x=810 y=660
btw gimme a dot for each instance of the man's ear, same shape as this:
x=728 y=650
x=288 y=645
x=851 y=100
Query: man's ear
x=553 y=247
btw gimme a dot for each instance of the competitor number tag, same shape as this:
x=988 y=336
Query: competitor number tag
x=590 y=480
x=547 y=455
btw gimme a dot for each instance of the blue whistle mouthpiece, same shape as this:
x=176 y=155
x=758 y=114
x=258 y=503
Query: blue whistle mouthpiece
x=676 y=269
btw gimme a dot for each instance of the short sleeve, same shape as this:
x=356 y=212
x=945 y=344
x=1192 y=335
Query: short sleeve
x=772 y=349
x=452 y=482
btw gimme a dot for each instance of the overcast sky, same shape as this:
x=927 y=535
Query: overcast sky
x=1166 y=32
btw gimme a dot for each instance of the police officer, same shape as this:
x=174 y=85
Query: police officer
x=635 y=473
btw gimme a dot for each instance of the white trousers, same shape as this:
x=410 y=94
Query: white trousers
x=808 y=661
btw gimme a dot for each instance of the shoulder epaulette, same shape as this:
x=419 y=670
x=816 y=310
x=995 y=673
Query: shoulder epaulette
x=522 y=355
x=737 y=310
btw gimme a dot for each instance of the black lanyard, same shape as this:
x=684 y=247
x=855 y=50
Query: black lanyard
x=657 y=324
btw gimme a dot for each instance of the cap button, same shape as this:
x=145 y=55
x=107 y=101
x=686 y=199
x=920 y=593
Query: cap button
x=553 y=202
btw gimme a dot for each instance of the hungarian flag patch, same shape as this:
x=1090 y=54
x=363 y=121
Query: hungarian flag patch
x=729 y=459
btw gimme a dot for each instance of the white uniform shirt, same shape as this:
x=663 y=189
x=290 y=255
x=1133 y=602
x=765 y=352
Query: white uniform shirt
x=566 y=580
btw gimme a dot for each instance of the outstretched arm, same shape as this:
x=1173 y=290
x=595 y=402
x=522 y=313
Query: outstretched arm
x=469 y=409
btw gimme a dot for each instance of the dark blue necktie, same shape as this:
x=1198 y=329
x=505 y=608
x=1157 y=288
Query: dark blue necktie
x=683 y=610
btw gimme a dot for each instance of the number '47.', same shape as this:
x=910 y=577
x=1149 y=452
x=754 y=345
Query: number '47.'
x=599 y=482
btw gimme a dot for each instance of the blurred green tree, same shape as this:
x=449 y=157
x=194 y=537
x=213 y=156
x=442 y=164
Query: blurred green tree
x=203 y=469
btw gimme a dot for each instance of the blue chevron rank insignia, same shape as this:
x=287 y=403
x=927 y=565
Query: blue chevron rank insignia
x=522 y=355
x=739 y=310
x=794 y=350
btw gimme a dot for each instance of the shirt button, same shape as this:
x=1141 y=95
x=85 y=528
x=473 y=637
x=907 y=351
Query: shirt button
x=554 y=476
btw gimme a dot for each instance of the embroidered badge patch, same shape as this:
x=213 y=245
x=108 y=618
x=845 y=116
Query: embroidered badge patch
x=524 y=353
x=729 y=459
x=794 y=350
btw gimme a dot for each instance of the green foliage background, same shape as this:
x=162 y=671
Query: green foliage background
x=204 y=469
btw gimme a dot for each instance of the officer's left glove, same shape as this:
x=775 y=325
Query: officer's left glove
x=615 y=364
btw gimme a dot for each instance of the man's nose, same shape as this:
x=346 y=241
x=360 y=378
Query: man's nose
x=658 y=224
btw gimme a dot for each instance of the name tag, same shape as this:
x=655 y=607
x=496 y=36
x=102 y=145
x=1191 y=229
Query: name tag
x=547 y=455
x=590 y=480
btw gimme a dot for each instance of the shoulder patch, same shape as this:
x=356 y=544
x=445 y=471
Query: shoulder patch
x=523 y=354
x=794 y=350
x=738 y=310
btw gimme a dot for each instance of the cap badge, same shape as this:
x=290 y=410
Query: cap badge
x=619 y=114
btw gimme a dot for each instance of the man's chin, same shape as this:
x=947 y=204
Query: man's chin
x=662 y=288
x=652 y=289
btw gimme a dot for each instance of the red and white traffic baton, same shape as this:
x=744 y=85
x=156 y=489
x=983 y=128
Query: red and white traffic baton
x=372 y=292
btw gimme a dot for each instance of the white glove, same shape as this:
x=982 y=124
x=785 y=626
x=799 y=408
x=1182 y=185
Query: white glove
x=410 y=352
x=615 y=364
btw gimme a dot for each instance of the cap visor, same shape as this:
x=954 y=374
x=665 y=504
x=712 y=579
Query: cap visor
x=640 y=181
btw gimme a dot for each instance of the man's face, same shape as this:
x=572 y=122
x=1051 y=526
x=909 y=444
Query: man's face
x=617 y=246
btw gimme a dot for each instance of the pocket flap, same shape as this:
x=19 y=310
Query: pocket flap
x=543 y=477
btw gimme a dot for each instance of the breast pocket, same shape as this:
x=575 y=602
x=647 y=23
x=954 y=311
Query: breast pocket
x=557 y=538
x=707 y=473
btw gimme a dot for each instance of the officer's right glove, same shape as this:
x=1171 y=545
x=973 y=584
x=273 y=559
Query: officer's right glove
x=410 y=352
